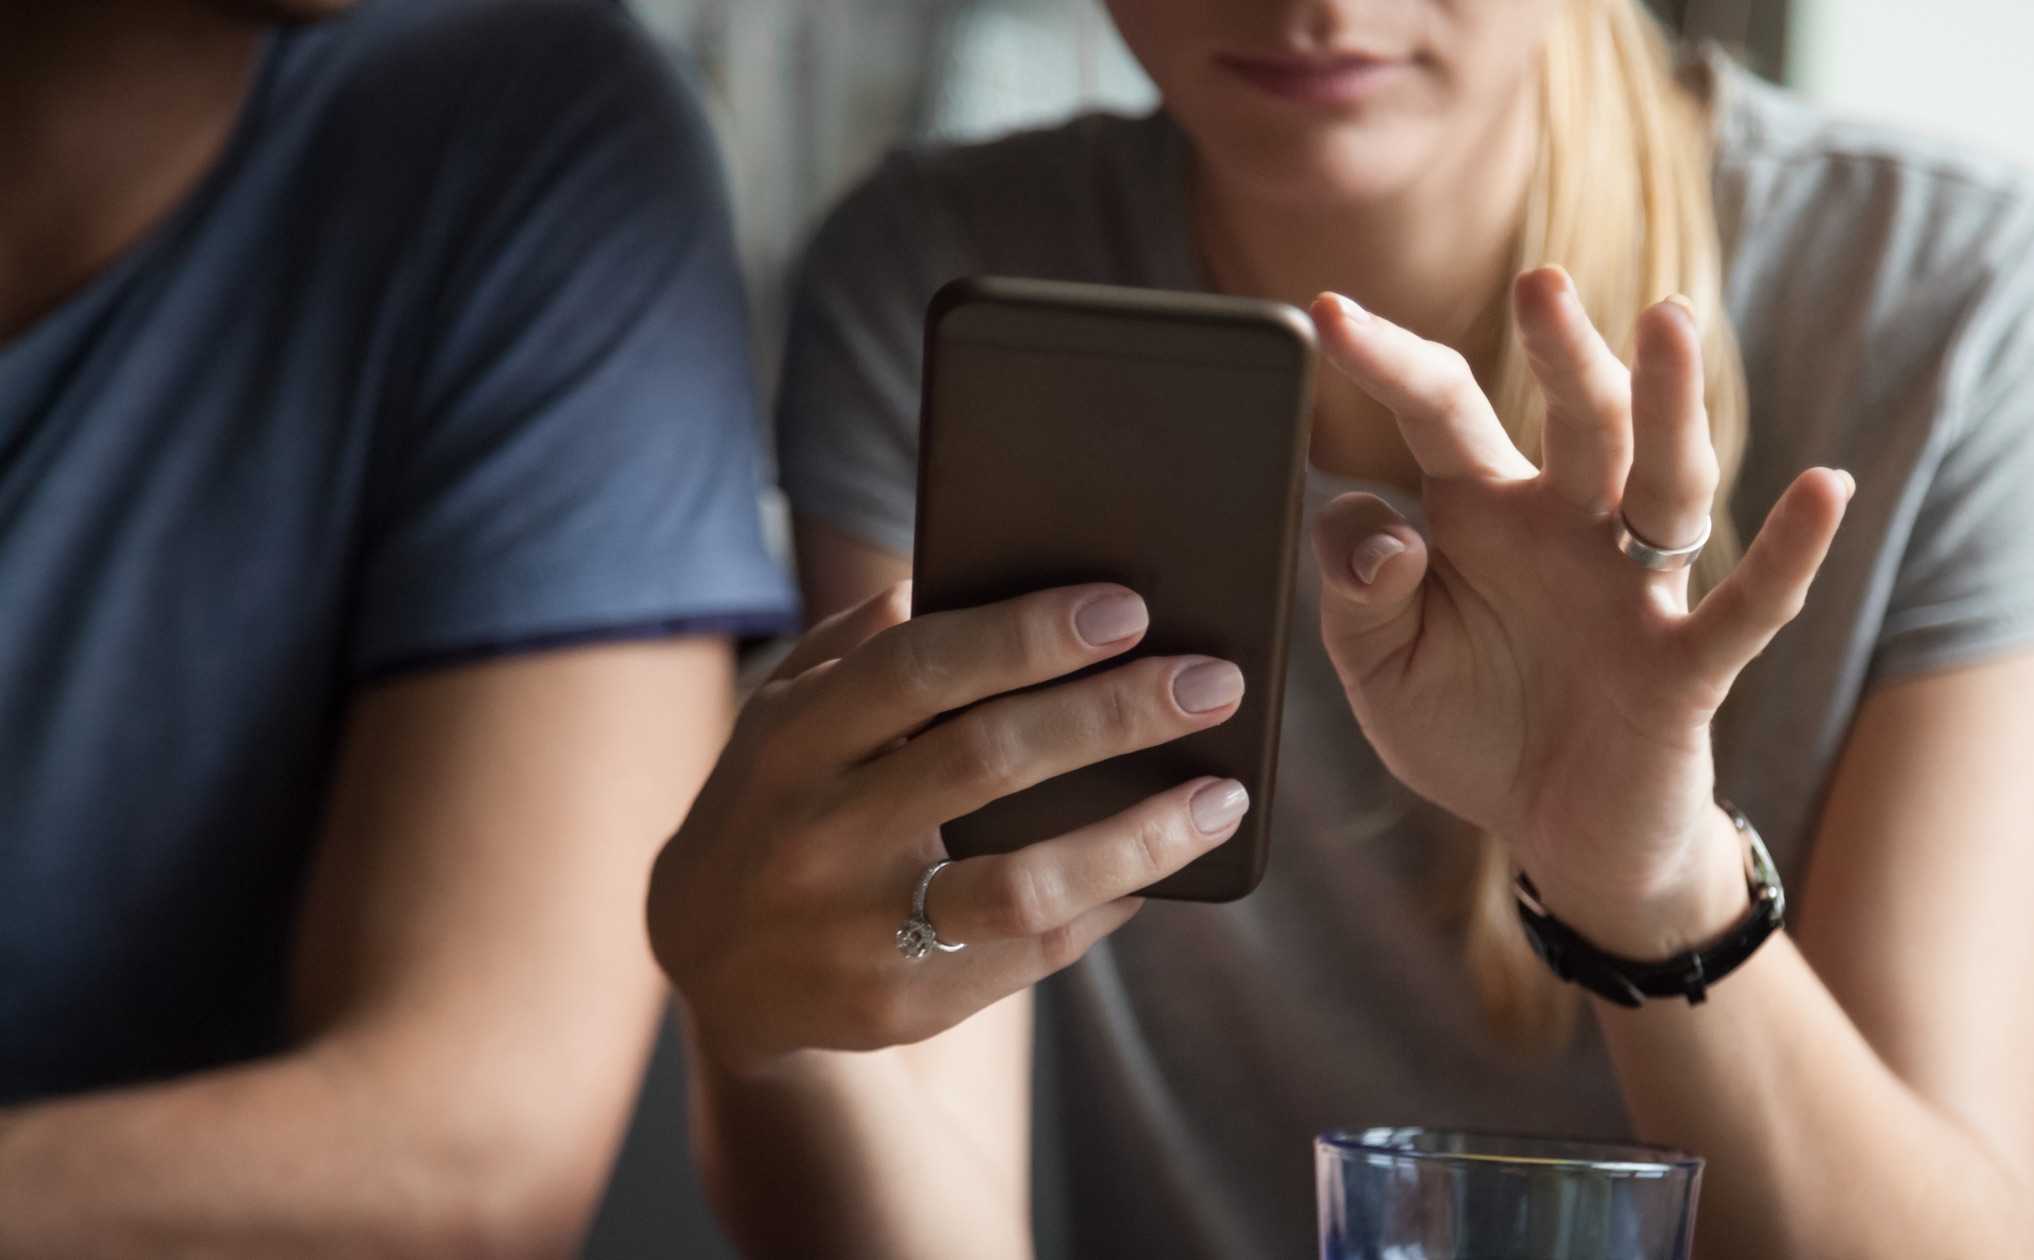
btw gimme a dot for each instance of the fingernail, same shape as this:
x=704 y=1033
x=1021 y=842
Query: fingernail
x=1110 y=619
x=1370 y=555
x=1354 y=313
x=1218 y=805
x=1849 y=484
x=1207 y=686
x=1687 y=307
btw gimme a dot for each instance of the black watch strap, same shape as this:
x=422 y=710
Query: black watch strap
x=1628 y=982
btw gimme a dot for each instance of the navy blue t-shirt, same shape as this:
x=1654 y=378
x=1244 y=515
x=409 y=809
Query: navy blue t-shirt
x=445 y=358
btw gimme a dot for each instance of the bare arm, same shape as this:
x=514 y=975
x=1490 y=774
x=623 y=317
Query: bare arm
x=474 y=998
x=1862 y=1090
x=862 y=1101
x=890 y=1153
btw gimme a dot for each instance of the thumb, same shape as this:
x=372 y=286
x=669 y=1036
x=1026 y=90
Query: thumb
x=1373 y=565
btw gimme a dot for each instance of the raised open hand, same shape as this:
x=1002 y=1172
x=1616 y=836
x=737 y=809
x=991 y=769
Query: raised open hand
x=1514 y=667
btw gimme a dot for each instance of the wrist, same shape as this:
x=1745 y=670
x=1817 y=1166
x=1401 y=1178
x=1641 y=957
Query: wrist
x=1698 y=900
x=734 y=1062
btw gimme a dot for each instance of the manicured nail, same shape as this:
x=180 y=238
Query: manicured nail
x=1217 y=806
x=1849 y=484
x=1110 y=619
x=1207 y=686
x=1370 y=555
x=1350 y=311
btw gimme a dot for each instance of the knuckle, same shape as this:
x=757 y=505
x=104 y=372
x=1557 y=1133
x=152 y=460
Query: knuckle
x=912 y=666
x=1119 y=710
x=1704 y=472
x=1034 y=640
x=985 y=755
x=1728 y=602
x=884 y=1016
x=802 y=871
x=780 y=699
x=1769 y=600
x=1607 y=394
x=1451 y=366
x=1679 y=495
x=893 y=605
x=1788 y=603
x=760 y=752
x=1020 y=904
x=1154 y=842
x=1463 y=400
x=1060 y=948
x=771 y=705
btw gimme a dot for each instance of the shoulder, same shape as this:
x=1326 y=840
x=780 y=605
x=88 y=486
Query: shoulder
x=1818 y=206
x=552 y=138
x=534 y=204
x=472 y=85
x=443 y=47
x=1890 y=272
x=1782 y=154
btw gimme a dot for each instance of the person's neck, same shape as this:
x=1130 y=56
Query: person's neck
x=1435 y=258
x=116 y=110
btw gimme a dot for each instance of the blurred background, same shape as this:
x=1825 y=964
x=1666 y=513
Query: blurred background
x=808 y=94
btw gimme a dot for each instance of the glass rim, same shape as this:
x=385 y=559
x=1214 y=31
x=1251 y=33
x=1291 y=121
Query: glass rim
x=1389 y=1142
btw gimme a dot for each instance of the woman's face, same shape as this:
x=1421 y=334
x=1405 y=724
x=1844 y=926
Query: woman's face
x=1339 y=100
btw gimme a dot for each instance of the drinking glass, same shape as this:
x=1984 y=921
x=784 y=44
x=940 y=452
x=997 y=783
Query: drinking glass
x=1424 y=1194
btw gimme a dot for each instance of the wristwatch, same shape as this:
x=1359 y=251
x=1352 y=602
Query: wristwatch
x=1629 y=982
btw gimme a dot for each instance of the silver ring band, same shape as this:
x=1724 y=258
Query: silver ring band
x=916 y=937
x=1659 y=559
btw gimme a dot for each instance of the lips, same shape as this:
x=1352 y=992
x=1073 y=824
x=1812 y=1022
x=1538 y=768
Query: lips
x=1315 y=79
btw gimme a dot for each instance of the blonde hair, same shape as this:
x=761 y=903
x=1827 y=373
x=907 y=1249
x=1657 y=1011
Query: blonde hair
x=1621 y=197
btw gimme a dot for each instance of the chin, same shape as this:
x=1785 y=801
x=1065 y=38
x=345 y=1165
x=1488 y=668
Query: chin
x=1346 y=165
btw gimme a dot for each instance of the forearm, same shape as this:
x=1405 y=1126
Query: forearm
x=1816 y=1148
x=304 y=1154
x=853 y=1155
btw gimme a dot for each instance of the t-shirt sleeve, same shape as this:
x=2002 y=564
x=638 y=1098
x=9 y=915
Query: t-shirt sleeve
x=847 y=411
x=577 y=457
x=1964 y=589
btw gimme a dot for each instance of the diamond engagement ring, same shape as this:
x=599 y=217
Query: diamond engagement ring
x=1659 y=559
x=917 y=937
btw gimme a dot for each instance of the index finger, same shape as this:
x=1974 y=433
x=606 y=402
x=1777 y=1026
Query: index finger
x=1429 y=389
x=909 y=674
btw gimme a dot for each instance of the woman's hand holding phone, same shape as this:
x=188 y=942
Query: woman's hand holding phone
x=1514 y=667
x=774 y=908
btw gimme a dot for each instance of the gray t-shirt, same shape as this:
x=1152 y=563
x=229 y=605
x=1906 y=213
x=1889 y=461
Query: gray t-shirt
x=1882 y=290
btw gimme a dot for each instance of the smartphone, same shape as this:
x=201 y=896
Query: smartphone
x=1079 y=433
